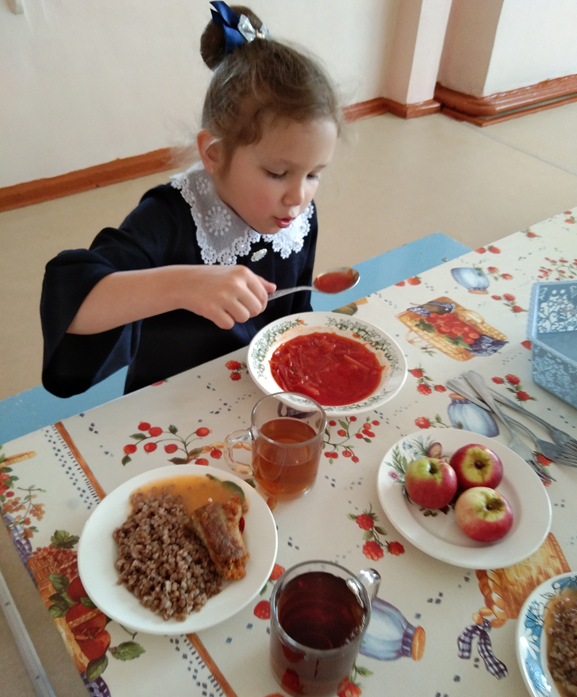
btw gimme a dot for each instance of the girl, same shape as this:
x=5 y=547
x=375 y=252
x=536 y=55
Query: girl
x=186 y=277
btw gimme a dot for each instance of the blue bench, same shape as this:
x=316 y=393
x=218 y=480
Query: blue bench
x=391 y=267
x=36 y=408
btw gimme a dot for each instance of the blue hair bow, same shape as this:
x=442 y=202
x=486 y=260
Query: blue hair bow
x=237 y=30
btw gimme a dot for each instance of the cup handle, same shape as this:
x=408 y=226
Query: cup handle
x=235 y=443
x=371 y=580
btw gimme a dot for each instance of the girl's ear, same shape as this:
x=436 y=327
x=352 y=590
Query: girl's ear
x=210 y=150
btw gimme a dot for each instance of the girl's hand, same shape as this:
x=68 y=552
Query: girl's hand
x=224 y=294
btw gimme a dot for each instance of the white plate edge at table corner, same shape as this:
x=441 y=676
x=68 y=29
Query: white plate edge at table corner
x=153 y=623
x=382 y=476
x=401 y=375
x=519 y=634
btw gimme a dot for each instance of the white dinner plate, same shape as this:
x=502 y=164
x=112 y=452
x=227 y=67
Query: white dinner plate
x=387 y=351
x=531 y=639
x=439 y=535
x=97 y=553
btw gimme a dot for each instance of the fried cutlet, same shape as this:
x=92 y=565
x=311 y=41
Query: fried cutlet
x=217 y=526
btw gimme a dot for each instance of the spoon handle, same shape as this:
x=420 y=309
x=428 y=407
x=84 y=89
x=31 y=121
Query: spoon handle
x=286 y=291
x=478 y=384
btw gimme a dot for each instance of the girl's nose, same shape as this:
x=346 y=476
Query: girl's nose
x=294 y=194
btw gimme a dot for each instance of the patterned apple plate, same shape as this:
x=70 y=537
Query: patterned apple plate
x=436 y=532
x=387 y=351
x=532 y=640
x=97 y=552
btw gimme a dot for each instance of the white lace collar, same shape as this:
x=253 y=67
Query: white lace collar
x=221 y=234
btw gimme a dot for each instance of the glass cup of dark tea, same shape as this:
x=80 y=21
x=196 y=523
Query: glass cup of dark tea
x=283 y=445
x=319 y=614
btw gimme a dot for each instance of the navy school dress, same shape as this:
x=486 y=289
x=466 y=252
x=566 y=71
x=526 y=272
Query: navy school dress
x=161 y=231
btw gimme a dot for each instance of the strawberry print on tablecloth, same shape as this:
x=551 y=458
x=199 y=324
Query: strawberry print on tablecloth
x=150 y=437
x=374 y=546
x=262 y=607
x=425 y=384
x=459 y=611
x=342 y=436
x=509 y=300
x=513 y=384
x=558 y=269
x=412 y=281
x=237 y=369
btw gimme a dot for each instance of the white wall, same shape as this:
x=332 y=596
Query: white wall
x=413 y=62
x=429 y=47
x=468 y=45
x=536 y=40
x=84 y=82
x=499 y=45
x=93 y=80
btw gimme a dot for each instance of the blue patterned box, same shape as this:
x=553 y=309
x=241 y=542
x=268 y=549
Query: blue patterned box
x=552 y=329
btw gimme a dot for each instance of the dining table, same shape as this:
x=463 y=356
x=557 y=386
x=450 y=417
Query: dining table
x=443 y=629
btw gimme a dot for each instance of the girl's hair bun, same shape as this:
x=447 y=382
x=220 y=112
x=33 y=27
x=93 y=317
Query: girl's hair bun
x=259 y=81
x=212 y=43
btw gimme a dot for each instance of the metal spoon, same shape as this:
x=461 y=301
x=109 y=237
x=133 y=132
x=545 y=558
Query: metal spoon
x=515 y=443
x=550 y=450
x=349 y=277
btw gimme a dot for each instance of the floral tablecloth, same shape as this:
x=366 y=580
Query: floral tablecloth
x=462 y=621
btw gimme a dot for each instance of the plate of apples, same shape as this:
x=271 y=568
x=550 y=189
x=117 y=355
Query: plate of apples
x=465 y=499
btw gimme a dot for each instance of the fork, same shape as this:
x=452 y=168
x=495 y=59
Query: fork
x=560 y=437
x=515 y=444
x=551 y=451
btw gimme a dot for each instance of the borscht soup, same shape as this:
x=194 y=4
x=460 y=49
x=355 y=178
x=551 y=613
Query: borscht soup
x=330 y=368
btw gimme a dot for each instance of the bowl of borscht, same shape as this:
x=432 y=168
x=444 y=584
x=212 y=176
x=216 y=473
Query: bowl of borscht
x=346 y=364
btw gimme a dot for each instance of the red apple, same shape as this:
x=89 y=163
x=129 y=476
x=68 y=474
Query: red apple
x=430 y=482
x=483 y=514
x=477 y=465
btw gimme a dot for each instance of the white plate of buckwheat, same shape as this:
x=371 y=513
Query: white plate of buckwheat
x=98 y=552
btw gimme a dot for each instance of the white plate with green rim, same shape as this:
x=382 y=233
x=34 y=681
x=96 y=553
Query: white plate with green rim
x=385 y=348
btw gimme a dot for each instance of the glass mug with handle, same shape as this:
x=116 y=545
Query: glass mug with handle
x=319 y=614
x=285 y=441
